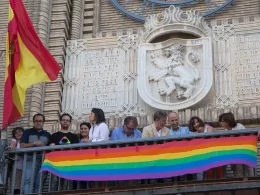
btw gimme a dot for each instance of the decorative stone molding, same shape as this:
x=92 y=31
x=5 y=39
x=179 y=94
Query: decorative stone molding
x=177 y=20
x=175 y=74
x=236 y=50
x=128 y=42
x=223 y=32
x=76 y=47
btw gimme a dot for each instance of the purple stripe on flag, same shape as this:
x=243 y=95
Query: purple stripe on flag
x=151 y=175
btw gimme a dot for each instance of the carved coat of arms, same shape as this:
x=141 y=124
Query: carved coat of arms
x=175 y=74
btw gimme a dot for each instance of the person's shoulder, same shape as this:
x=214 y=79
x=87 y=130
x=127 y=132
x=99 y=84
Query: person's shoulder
x=55 y=133
x=73 y=134
x=148 y=126
x=166 y=128
x=47 y=133
x=185 y=128
x=117 y=129
x=240 y=126
x=103 y=125
x=28 y=132
x=137 y=131
x=210 y=128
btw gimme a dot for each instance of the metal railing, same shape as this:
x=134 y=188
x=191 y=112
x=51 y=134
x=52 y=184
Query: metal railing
x=49 y=183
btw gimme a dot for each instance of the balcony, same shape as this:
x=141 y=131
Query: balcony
x=184 y=185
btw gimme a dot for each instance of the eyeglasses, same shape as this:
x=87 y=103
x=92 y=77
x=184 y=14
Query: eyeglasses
x=38 y=121
x=130 y=129
x=64 y=120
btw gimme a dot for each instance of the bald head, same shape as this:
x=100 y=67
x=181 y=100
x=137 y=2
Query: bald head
x=173 y=119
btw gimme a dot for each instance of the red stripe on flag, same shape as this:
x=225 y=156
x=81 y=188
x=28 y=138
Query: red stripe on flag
x=32 y=41
x=10 y=112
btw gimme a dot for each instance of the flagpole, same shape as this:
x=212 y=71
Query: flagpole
x=4 y=136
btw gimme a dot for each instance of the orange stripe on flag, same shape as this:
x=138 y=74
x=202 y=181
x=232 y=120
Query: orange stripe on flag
x=28 y=63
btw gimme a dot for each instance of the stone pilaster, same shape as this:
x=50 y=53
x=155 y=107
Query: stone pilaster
x=77 y=17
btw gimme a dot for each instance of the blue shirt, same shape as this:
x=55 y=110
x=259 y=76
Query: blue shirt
x=181 y=131
x=119 y=134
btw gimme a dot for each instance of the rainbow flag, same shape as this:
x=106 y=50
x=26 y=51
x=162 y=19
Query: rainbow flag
x=27 y=62
x=152 y=161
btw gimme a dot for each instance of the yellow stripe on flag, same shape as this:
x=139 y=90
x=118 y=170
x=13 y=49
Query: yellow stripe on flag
x=28 y=67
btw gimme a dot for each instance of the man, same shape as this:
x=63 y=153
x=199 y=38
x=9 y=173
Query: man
x=176 y=130
x=128 y=130
x=64 y=136
x=157 y=129
x=34 y=137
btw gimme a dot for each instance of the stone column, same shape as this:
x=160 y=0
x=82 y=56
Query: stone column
x=77 y=16
x=43 y=30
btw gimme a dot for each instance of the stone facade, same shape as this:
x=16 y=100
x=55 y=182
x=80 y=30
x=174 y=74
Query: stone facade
x=98 y=50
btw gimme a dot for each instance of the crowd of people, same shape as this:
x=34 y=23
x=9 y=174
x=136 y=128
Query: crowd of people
x=96 y=130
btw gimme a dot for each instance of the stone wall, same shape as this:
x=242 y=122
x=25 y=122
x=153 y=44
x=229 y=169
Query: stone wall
x=59 y=21
x=52 y=21
x=111 y=19
x=227 y=35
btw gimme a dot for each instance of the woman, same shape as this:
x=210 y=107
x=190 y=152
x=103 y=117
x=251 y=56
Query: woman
x=99 y=130
x=15 y=144
x=84 y=132
x=228 y=122
x=197 y=125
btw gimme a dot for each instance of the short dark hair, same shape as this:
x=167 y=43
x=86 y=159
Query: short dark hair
x=85 y=123
x=229 y=118
x=39 y=114
x=130 y=118
x=192 y=122
x=15 y=129
x=65 y=114
x=99 y=115
x=159 y=115
x=81 y=124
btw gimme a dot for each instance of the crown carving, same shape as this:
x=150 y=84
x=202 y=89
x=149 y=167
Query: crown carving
x=175 y=16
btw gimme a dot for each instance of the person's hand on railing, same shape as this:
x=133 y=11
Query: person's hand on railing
x=85 y=140
x=38 y=143
x=12 y=145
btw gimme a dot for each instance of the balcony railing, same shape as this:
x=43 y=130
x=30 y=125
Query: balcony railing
x=182 y=184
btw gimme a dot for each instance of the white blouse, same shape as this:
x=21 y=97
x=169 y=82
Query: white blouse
x=99 y=132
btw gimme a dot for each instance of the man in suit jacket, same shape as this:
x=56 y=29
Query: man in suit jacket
x=157 y=129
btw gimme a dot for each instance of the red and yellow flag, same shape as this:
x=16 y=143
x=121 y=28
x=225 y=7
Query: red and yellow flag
x=27 y=62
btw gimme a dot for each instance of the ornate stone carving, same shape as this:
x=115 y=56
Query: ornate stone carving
x=76 y=47
x=128 y=42
x=223 y=32
x=173 y=19
x=224 y=101
x=175 y=74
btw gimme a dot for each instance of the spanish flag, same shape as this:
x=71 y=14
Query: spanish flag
x=27 y=62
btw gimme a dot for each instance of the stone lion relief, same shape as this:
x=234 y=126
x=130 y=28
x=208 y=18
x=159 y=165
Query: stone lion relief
x=174 y=72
